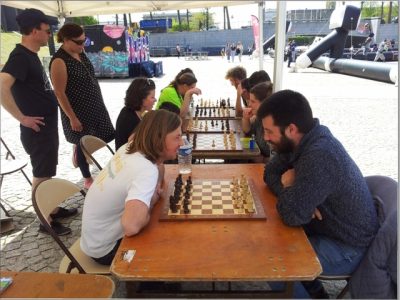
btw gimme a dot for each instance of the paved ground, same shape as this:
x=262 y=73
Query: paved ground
x=362 y=114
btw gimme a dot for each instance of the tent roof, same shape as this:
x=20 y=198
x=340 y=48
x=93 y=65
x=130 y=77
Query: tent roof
x=62 y=8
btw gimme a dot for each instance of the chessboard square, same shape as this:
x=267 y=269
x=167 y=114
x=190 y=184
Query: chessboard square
x=226 y=190
x=229 y=211
x=207 y=197
x=206 y=212
x=207 y=206
x=228 y=193
x=196 y=197
x=217 y=198
x=204 y=202
x=218 y=211
x=226 y=201
x=195 y=212
x=207 y=183
x=195 y=206
x=207 y=193
x=217 y=206
x=217 y=201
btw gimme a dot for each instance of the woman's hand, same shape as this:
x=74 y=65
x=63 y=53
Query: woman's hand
x=76 y=125
x=194 y=90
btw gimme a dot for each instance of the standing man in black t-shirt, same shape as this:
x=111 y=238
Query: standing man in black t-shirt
x=26 y=93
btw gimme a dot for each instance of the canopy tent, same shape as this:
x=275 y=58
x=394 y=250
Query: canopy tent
x=62 y=8
x=67 y=8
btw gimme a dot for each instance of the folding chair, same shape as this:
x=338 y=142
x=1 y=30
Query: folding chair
x=384 y=192
x=91 y=144
x=46 y=197
x=9 y=166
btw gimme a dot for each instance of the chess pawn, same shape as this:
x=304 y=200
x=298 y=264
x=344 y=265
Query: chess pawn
x=213 y=144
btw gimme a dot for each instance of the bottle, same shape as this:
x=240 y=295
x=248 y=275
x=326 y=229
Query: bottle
x=252 y=142
x=185 y=157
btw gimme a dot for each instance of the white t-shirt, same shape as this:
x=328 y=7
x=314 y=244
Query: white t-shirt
x=125 y=177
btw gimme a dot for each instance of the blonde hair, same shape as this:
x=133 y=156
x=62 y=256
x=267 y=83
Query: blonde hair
x=150 y=134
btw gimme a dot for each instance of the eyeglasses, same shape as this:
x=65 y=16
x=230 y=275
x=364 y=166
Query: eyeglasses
x=79 y=42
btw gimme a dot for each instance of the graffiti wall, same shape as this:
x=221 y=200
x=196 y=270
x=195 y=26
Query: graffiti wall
x=112 y=48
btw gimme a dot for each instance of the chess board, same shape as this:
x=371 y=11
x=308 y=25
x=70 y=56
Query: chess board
x=213 y=113
x=214 y=125
x=204 y=142
x=212 y=200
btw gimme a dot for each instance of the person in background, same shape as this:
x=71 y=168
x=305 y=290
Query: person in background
x=366 y=45
x=140 y=98
x=228 y=52
x=239 y=51
x=235 y=76
x=178 y=50
x=317 y=185
x=177 y=95
x=379 y=53
x=82 y=107
x=251 y=125
x=26 y=93
x=233 y=52
x=120 y=201
x=246 y=85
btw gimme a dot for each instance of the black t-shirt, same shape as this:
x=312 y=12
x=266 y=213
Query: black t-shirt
x=126 y=123
x=32 y=90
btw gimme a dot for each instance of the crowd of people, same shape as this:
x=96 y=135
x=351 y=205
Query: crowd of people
x=316 y=182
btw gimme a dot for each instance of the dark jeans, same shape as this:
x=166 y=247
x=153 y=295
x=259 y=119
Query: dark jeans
x=107 y=259
x=82 y=163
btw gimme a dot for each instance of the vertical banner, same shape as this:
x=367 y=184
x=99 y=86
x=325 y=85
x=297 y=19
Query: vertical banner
x=256 y=31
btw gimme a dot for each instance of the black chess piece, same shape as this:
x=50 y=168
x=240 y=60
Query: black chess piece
x=189 y=180
x=209 y=112
x=214 y=111
x=227 y=125
x=229 y=102
x=216 y=123
x=186 y=209
x=212 y=123
x=222 y=125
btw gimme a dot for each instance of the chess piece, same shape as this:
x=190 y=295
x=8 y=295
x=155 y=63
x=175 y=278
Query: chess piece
x=213 y=144
x=212 y=123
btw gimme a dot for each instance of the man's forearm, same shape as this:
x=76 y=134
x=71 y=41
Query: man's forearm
x=8 y=102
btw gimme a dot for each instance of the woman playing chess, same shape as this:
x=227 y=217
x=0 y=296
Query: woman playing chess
x=177 y=96
x=120 y=199
x=250 y=124
x=140 y=98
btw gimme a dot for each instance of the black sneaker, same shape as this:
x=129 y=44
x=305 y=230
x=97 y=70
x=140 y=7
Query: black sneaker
x=58 y=228
x=64 y=213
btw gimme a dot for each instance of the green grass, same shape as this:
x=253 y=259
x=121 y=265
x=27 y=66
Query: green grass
x=8 y=42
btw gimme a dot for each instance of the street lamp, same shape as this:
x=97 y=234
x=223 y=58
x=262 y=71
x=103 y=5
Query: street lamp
x=351 y=37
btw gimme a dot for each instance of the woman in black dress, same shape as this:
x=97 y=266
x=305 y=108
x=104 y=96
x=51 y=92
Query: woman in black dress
x=140 y=98
x=83 y=111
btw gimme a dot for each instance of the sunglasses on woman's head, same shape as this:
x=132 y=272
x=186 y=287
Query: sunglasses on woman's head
x=79 y=42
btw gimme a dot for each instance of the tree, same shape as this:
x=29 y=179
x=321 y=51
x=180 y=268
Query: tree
x=85 y=20
x=379 y=9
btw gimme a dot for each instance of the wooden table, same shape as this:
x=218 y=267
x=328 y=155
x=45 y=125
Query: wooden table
x=219 y=250
x=245 y=153
x=56 y=285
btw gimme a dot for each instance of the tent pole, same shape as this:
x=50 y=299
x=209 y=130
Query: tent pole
x=261 y=35
x=280 y=37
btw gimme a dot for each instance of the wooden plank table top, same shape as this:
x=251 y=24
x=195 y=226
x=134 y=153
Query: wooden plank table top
x=56 y=285
x=219 y=250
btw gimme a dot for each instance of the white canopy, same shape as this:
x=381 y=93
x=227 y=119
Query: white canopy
x=63 y=8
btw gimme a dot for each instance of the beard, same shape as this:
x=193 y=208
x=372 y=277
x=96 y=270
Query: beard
x=285 y=145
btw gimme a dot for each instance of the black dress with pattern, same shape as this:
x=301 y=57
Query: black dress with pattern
x=84 y=95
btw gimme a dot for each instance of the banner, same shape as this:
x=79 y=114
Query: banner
x=256 y=31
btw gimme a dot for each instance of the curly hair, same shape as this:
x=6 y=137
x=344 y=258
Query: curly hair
x=236 y=73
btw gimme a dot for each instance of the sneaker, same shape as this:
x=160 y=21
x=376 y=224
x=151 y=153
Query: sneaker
x=58 y=228
x=64 y=213
x=88 y=182
x=74 y=156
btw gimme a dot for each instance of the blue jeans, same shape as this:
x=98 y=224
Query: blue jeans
x=336 y=258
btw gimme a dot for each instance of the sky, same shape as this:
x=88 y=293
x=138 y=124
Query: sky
x=240 y=14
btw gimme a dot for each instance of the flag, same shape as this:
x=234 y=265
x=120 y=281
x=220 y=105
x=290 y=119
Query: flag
x=256 y=31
